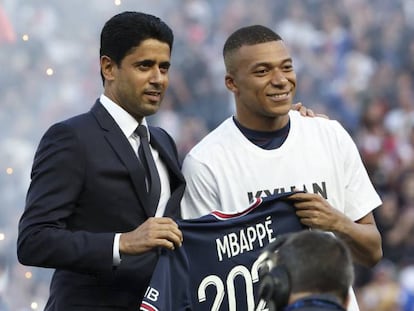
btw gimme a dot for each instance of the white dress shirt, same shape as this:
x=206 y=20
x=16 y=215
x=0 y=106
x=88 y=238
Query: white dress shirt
x=128 y=125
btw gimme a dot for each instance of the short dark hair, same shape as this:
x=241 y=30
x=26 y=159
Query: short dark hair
x=317 y=262
x=249 y=35
x=127 y=30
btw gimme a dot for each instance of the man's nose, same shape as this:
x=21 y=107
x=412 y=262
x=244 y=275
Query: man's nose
x=156 y=75
x=278 y=77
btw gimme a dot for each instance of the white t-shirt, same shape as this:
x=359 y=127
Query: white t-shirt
x=225 y=171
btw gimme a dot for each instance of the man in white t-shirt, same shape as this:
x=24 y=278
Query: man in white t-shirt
x=267 y=149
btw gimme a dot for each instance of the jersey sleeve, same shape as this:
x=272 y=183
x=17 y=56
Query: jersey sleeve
x=201 y=194
x=360 y=195
x=169 y=286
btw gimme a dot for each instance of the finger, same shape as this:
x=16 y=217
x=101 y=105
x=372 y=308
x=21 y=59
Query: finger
x=299 y=196
x=171 y=234
x=309 y=112
x=160 y=228
x=304 y=213
x=307 y=222
x=163 y=220
x=305 y=218
x=297 y=106
x=303 y=206
x=162 y=238
x=176 y=237
x=166 y=224
x=170 y=241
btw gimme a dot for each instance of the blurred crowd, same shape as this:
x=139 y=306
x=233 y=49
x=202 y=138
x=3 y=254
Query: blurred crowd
x=354 y=61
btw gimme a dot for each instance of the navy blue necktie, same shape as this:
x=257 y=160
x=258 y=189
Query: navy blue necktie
x=144 y=153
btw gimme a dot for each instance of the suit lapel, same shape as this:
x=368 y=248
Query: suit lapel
x=169 y=158
x=125 y=152
x=167 y=152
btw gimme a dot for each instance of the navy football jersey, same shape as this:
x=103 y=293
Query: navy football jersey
x=216 y=268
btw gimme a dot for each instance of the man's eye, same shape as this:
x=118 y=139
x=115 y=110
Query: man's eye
x=261 y=71
x=164 y=69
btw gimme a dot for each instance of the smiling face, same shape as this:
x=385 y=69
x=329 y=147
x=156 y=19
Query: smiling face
x=139 y=83
x=263 y=81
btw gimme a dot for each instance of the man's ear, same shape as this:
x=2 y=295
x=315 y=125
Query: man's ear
x=230 y=83
x=107 y=67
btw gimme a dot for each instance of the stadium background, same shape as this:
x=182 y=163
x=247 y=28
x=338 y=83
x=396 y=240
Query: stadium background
x=354 y=60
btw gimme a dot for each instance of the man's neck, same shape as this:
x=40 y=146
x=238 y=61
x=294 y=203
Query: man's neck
x=296 y=296
x=303 y=299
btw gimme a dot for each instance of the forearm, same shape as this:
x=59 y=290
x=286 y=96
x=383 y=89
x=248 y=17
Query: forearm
x=44 y=246
x=363 y=239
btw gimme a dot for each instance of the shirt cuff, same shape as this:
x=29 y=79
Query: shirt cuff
x=116 y=255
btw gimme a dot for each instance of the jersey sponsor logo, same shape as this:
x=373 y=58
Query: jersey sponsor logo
x=317 y=188
x=150 y=294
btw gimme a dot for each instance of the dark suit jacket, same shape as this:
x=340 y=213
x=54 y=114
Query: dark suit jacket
x=86 y=186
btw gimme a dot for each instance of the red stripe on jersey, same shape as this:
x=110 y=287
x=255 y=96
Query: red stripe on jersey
x=145 y=306
x=223 y=216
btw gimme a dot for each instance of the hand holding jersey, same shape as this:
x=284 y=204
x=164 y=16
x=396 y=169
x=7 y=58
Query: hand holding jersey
x=154 y=232
x=317 y=213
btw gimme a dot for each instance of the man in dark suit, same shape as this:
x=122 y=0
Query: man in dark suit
x=89 y=212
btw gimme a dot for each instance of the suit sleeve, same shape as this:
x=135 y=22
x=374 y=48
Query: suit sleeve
x=57 y=180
